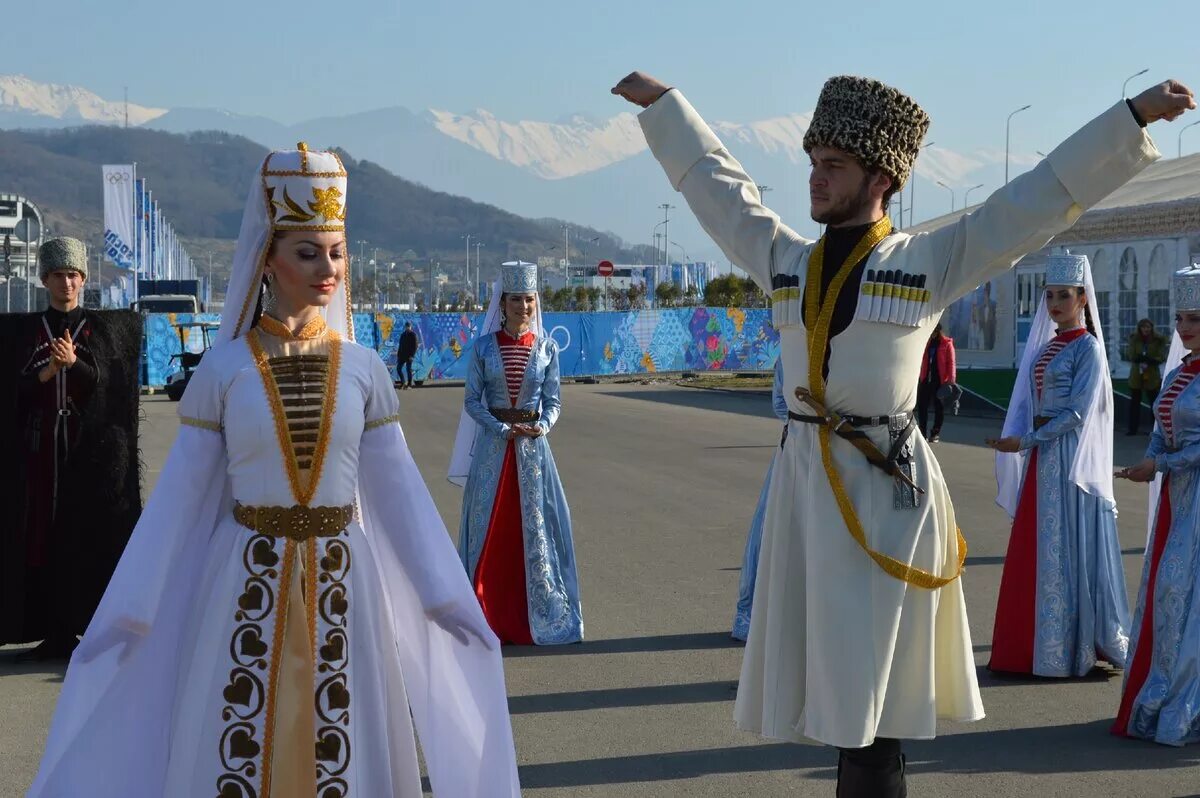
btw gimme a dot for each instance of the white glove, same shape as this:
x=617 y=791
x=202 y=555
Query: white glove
x=459 y=621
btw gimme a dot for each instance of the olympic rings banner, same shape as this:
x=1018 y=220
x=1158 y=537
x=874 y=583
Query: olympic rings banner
x=118 y=215
x=590 y=344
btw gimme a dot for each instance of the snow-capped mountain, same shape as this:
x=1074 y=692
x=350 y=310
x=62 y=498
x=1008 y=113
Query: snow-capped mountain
x=594 y=171
x=27 y=103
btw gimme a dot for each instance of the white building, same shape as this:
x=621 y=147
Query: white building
x=21 y=231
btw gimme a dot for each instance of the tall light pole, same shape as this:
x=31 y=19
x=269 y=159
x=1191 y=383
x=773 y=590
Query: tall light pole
x=1131 y=77
x=467 y=273
x=1179 y=143
x=943 y=185
x=967 y=196
x=1007 y=131
x=666 y=209
x=478 y=280
x=361 y=243
x=762 y=192
x=912 y=184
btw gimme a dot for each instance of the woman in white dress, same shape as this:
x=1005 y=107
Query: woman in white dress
x=290 y=604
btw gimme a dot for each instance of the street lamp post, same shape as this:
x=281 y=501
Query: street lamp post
x=478 y=279
x=1179 y=143
x=967 y=196
x=361 y=243
x=943 y=185
x=1007 y=132
x=912 y=184
x=1131 y=77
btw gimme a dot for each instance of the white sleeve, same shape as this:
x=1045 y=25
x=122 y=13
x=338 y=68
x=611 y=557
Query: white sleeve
x=1023 y=216
x=725 y=200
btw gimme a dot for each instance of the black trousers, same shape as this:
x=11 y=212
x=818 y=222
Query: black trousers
x=1135 y=409
x=405 y=364
x=876 y=771
x=926 y=394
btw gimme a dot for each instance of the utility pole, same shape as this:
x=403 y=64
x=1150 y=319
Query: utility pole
x=666 y=209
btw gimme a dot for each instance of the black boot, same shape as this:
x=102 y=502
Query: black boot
x=876 y=771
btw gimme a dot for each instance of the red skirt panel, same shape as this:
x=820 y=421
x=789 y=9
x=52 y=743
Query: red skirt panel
x=1139 y=667
x=500 y=574
x=1012 y=635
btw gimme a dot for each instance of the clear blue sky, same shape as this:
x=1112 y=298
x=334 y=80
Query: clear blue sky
x=968 y=63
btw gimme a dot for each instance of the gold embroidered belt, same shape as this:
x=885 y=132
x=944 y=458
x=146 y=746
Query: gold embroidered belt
x=295 y=522
x=512 y=415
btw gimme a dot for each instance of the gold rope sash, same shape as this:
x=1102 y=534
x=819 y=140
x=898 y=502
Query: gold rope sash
x=821 y=315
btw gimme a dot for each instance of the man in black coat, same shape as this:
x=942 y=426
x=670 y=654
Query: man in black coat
x=72 y=487
x=405 y=352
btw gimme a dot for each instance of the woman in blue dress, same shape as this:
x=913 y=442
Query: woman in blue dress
x=741 y=616
x=1062 y=599
x=1161 y=697
x=515 y=535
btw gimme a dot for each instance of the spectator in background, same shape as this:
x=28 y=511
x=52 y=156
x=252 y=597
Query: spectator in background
x=938 y=368
x=1145 y=351
x=410 y=342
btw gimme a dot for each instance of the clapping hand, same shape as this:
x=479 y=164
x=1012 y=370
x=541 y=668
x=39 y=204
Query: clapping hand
x=62 y=351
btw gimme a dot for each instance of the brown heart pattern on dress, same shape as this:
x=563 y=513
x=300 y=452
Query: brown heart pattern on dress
x=242 y=745
x=332 y=561
x=335 y=649
x=252 y=599
x=329 y=748
x=251 y=643
x=263 y=554
x=338 y=604
x=239 y=690
x=338 y=696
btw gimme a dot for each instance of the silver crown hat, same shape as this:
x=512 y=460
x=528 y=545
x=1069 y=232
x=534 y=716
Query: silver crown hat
x=1066 y=269
x=880 y=126
x=518 y=277
x=62 y=254
x=1185 y=286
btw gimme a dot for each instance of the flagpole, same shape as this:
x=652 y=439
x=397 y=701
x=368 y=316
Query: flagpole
x=137 y=238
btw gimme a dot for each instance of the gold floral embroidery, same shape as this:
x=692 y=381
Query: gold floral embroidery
x=312 y=329
x=200 y=423
x=381 y=422
x=326 y=202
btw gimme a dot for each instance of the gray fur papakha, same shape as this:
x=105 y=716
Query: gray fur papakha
x=56 y=254
x=880 y=126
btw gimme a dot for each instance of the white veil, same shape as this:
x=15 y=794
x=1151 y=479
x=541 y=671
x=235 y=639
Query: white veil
x=1174 y=361
x=1092 y=470
x=464 y=439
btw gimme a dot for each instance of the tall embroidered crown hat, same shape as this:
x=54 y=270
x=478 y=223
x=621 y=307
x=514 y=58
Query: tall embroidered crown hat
x=294 y=190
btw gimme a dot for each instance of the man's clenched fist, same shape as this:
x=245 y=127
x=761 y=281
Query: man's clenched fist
x=640 y=89
x=1166 y=101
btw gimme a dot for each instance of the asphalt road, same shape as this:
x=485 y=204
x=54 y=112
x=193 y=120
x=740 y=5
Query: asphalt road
x=662 y=482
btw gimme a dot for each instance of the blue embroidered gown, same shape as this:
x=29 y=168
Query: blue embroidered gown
x=551 y=584
x=1161 y=697
x=1062 y=594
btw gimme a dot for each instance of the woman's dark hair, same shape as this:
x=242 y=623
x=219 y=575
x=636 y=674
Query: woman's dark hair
x=1087 y=312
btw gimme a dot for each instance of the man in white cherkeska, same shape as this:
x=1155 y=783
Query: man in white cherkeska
x=859 y=632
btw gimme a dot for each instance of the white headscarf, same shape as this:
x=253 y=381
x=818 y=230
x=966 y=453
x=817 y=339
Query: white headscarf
x=1092 y=470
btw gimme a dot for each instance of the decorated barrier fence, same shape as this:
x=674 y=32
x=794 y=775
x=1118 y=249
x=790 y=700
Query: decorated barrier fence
x=632 y=342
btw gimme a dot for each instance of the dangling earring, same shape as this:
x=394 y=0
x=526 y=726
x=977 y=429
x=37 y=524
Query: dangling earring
x=269 y=293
